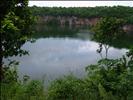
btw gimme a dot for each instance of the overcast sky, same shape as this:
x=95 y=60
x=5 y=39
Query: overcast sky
x=79 y=3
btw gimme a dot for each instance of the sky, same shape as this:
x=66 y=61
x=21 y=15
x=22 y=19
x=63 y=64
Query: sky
x=80 y=3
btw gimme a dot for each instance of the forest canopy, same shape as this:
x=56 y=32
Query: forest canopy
x=86 y=12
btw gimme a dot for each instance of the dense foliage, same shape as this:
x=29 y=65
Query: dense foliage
x=12 y=88
x=108 y=30
x=86 y=12
x=14 y=28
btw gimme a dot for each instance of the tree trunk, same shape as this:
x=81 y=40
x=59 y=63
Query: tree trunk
x=106 y=51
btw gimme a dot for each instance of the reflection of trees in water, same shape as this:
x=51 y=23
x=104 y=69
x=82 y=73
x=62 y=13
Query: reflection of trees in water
x=41 y=30
x=116 y=38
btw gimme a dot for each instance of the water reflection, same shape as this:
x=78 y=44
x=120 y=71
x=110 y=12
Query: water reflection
x=55 y=57
x=59 y=51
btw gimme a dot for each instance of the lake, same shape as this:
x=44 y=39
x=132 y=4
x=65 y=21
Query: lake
x=62 y=53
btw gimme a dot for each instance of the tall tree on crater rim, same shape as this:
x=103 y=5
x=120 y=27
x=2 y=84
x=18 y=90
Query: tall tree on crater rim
x=15 y=25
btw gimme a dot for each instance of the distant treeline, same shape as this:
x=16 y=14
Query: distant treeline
x=86 y=12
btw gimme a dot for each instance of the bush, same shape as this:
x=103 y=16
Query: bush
x=14 y=89
x=66 y=88
x=113 y=78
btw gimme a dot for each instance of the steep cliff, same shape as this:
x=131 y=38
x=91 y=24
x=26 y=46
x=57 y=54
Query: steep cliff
x=63 y=20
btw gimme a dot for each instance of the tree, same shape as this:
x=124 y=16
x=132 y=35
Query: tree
x=15 y=19
x=89 y=12
x=108 y=30
x=113 y=77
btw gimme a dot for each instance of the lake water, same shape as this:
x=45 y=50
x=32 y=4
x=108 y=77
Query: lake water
x=52 y=57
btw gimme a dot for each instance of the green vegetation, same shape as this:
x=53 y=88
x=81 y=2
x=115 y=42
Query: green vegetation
x=33 y=90
x=109 y=79
x=15 y=19
x=86 y=12
x=14 y=89
x=108 y=30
